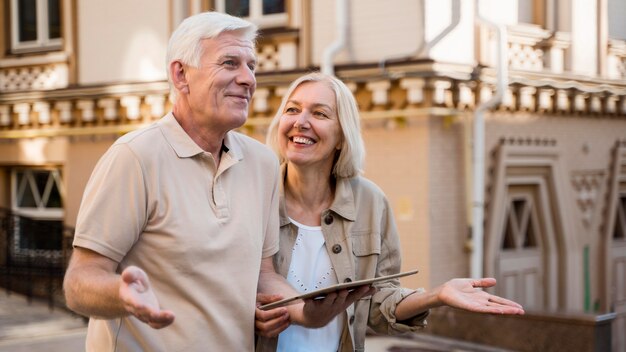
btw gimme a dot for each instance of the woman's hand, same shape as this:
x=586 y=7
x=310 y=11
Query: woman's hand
x=270 y=323
x=468 y=294
x=319 y=312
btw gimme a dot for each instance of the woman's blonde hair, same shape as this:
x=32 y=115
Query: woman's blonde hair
x=349 y=163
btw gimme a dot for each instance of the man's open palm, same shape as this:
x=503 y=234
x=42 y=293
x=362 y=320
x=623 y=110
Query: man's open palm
x=140 y=300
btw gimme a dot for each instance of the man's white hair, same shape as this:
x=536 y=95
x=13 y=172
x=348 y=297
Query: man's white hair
x=185 y=44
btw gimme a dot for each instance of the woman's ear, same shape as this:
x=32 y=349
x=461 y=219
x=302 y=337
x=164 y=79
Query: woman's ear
x=178 y=73
x=340 y=143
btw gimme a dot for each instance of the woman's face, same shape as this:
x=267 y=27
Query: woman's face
x=309 y=133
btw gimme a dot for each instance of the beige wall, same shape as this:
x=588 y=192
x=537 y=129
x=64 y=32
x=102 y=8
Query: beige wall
x=3 y=37
x=447 y=206
x=122 y=41
x=498 y=11
x=33 y=151
x=396 y=160
x=82 y=156
x=584 y=53
x=387 y=30
x=458 y=45
x=372 y=36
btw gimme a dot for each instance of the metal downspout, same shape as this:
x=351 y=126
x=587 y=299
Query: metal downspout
x=478 y=203
x=425 y=46
x=341 y=19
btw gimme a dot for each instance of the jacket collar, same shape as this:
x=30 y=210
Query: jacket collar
x=343 y=204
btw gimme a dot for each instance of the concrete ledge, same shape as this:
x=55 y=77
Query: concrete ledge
x=534 y=331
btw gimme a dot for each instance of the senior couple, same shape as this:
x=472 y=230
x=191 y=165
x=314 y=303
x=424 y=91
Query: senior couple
x=177 y=238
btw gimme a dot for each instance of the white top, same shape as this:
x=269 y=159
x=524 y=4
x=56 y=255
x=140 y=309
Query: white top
x=311 y=269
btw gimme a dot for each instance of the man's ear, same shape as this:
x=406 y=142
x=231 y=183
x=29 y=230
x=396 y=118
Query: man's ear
x=178 y=73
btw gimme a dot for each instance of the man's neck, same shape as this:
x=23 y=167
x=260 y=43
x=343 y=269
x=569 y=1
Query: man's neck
x=206 y=138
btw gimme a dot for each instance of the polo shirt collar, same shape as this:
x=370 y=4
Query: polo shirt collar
x=185 y=147
x=232 y=146
x=343 y=204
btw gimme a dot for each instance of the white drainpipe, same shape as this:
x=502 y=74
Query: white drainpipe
x=478 y=203
x=425 y=46
x=455 y=19
x=341 y=20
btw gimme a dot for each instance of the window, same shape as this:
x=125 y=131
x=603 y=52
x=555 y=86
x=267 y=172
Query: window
x=539 y=12
x=264 y=13
x=520 y=226
x=617 y=29
x=35 y=25
x=37 y=202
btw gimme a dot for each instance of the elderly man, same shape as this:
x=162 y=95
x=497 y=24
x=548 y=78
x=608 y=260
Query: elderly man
x=179 y=220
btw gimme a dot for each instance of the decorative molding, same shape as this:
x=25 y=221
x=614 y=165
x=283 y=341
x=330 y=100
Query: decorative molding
x=613 y=253
x=414 y=90
x=156 y=102
x=277 y=51
x=42 y=109
x=525 y=53
x=86 y=108
x=587 y=186
x=379 y=91
x=132 y=105
x=554 y=51
x=34 y=60
x=535 y=164
x=394 y=96
x=529 y=142
x=109 y=108
x=58 y=112
x=260 y=103
x=40 y=77
x=616 y=59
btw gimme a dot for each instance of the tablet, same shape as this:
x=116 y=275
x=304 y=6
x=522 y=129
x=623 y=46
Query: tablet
x=321 y=293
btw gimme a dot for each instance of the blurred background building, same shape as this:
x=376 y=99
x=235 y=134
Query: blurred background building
x=524 y=98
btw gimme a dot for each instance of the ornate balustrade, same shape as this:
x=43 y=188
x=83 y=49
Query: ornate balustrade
x=616 y=59
x=85 y=110
x=532 y=48
x=402 y=90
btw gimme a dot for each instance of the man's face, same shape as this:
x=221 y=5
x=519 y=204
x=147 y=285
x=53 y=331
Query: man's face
x=221 y=87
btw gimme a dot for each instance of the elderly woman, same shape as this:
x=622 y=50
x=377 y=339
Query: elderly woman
x=337 y=226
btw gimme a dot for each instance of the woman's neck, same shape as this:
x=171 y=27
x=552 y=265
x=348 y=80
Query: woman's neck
x=308 y=193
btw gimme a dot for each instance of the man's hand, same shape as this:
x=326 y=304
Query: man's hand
x=139 y=299
x=319 y=312
x=272 y=322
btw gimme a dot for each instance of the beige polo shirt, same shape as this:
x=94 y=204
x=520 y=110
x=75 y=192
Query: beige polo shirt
x=156 y=200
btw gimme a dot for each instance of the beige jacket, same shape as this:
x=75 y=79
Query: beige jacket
x=362 y=241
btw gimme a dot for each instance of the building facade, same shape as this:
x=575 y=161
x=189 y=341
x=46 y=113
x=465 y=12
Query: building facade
x=77 y=74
